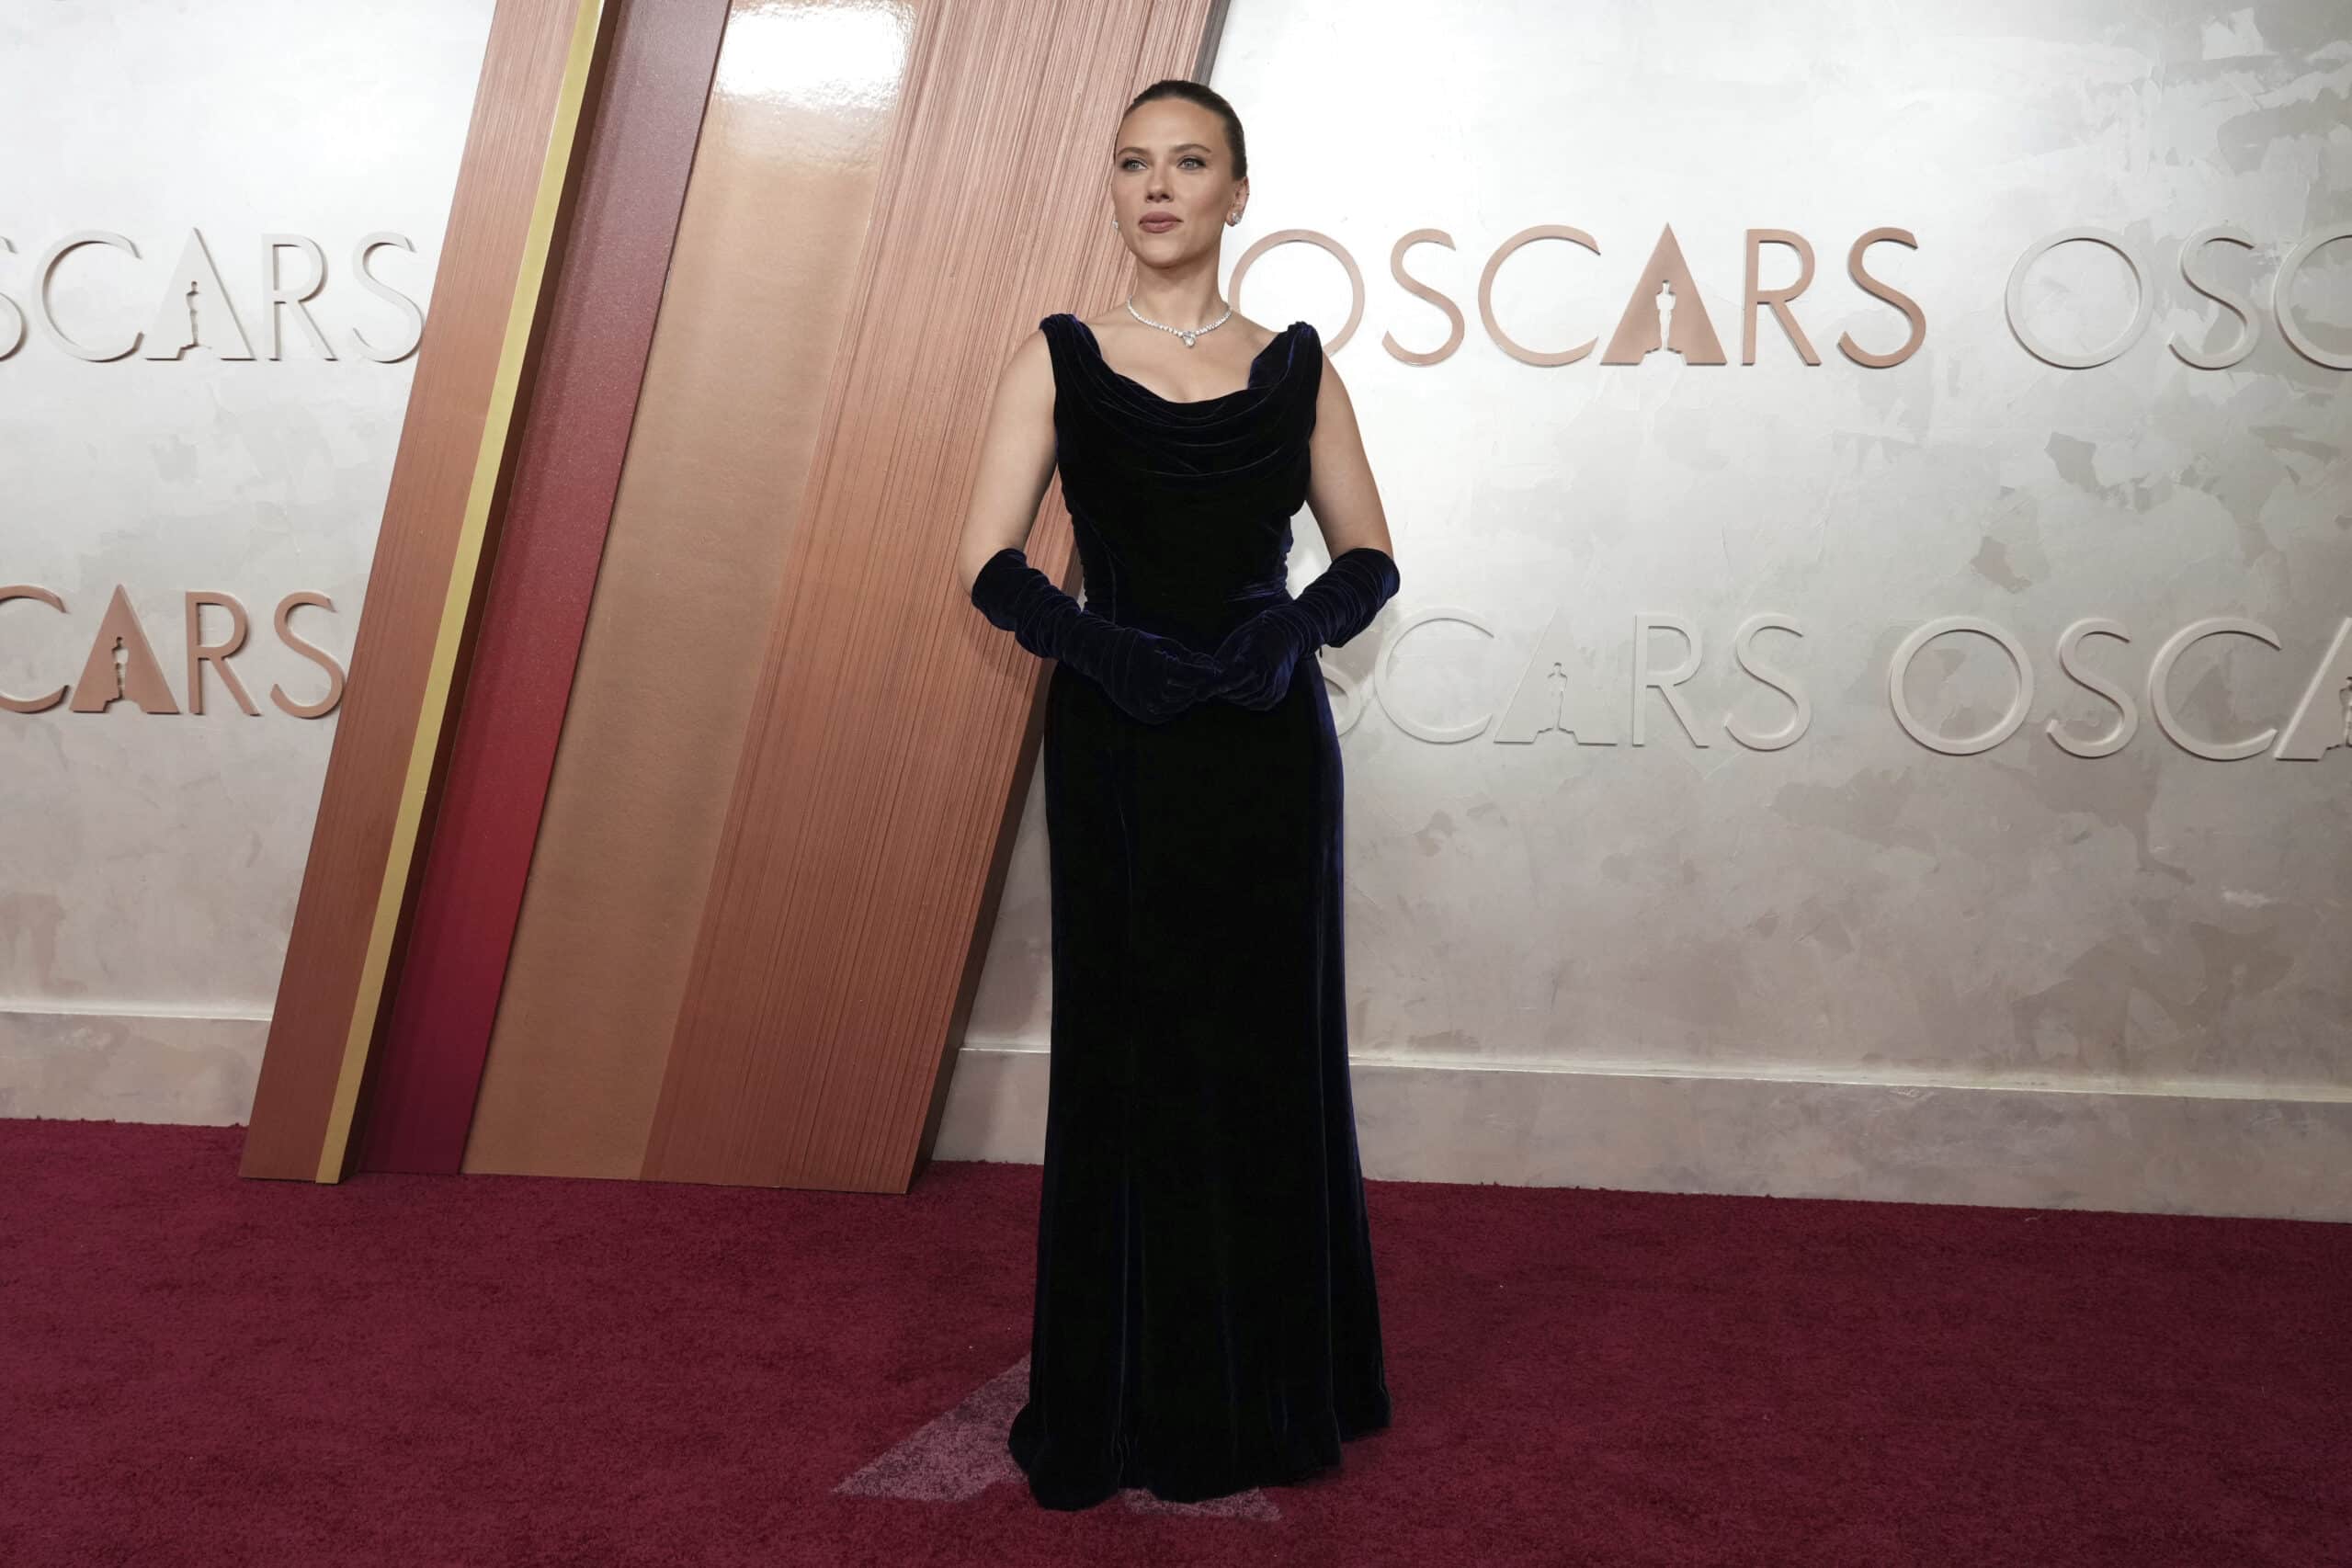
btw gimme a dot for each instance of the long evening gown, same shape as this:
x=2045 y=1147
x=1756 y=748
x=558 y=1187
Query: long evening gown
x=1205 y=1318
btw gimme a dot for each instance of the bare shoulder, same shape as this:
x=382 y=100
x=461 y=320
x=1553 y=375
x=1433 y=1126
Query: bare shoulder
x=1028 y=370
x=1332 y=402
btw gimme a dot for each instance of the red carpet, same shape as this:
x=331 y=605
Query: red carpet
x=196 y=1369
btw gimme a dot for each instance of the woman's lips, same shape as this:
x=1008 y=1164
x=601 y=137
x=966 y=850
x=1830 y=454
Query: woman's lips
x=1158 y=226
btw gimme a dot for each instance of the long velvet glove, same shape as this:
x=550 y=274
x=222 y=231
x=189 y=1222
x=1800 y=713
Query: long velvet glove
x=1258 y=657
x=1152 y=678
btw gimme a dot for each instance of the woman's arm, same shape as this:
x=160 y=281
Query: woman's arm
x=1016 y=460
x=1347 y=503
x=1260 y=656
x=1150 y=677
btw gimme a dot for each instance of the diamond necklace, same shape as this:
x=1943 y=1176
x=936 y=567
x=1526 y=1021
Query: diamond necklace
x=1188 y=336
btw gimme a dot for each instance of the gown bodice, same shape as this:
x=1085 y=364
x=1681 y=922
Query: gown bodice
x=1182 y=509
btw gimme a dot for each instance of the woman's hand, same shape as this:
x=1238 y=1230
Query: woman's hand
x=1154 y=678
x=1257 y=658
x=1150 y=677
x=1261 y=654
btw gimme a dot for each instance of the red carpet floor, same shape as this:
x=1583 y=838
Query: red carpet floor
x=198 y=1369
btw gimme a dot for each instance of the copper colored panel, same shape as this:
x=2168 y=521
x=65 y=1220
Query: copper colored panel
x=761 y=280
x=538 y=67
x=637 y=147
x=887 y=725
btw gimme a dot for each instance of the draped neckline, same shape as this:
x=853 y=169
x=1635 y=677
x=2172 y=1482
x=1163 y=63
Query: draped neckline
x=1094 y=350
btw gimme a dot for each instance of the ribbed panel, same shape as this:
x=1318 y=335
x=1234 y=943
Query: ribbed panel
x=863 y=843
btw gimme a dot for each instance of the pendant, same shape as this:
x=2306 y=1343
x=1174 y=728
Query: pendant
x=1187 y=340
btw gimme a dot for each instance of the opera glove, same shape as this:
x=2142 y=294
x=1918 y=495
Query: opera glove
x=1260 y=656
x=1153 y=678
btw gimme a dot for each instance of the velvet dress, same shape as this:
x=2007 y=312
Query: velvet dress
x=1205 y=1319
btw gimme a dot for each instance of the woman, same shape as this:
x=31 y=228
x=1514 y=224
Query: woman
x=1205 y=1319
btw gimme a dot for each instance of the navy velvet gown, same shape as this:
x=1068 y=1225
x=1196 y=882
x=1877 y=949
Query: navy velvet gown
x=1205 y=1319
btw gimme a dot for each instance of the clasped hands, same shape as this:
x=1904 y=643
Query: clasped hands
x=1153 y=679
x=1159 y=677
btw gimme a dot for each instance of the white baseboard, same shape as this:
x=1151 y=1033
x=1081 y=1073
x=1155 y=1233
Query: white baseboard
x=2169 y=1148
x=2172 y=1147
x=112 y=1065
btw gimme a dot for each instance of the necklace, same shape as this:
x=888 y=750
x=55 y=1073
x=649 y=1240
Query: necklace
x=1188 y=336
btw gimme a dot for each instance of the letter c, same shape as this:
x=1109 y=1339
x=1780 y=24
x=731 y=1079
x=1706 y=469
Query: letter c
x=31 y=704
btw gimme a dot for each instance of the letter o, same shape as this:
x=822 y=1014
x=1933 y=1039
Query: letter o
x=1334 y=342
x=2017 y=309
x=2009 y=722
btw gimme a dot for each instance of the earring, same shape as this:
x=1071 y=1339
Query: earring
x=1114 y=222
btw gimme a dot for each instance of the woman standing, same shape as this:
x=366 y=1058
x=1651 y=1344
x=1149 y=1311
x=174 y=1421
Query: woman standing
x=1206 y=1319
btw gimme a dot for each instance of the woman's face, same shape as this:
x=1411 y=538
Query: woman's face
x=1172 y=181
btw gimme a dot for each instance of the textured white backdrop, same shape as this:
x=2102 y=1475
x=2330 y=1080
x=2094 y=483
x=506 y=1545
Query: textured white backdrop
x=149 y=865
x=1857 y=909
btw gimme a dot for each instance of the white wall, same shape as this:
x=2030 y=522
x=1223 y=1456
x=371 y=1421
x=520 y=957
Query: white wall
x=148 y=863
x=1856 y=965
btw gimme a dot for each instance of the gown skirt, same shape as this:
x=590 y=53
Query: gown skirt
x=1205 y=1318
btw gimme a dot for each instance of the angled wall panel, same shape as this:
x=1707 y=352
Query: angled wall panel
x=776 y=213
x=408 y=655
x=860 y=847
x=637 y=147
